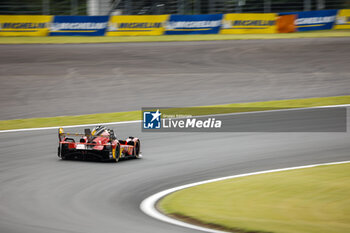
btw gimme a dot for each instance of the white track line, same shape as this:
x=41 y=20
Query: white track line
x=276 y=110
x=69 y=126
x=148 y=205
x=139 y=121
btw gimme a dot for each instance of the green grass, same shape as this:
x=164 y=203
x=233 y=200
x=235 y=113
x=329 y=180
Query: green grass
x=313 y=200
x=136 y=115
x=105 y=39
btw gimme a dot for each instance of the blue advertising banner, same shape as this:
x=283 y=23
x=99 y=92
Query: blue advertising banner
x=193 y=24
x=79 y=26
x=314 y=20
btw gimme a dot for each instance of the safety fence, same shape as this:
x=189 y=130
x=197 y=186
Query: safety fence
x=132 y=25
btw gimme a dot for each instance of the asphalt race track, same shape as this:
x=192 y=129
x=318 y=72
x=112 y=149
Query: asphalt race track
x=56 y=80
x=42 y=194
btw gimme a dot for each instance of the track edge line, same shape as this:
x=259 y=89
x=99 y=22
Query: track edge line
x=139 y=121
x=148 y=205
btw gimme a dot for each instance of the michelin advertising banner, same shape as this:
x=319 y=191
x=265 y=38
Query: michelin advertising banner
x=24 y=25
x=314 y=20
x=193 y=24
x=79 y=26
x=343 y=19
x=249 y=23
x=136 y=25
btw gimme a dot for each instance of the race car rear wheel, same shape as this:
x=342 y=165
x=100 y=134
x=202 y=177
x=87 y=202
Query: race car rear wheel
x=117 y=153
x=60 y=154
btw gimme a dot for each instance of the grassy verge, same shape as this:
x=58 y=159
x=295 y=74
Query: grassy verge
x=304 y=200
x=105 y=39
x=136 y=115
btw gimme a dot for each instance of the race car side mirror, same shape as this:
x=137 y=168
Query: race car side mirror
x=112 y=134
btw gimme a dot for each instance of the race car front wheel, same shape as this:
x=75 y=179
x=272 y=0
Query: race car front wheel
x=137 y=149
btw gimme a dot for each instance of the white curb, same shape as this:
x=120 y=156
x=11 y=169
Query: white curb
x=148 y=205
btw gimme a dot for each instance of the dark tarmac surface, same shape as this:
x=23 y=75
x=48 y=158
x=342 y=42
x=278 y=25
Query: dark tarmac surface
x=42 y=194
x=56 y=80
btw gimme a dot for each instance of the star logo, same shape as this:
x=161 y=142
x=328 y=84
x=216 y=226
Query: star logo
x=156 y=115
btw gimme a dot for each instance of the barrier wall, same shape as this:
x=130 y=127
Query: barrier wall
x=135 y=25
x=343 y=19
x=193 y=24
x=249 y=23
x=24 y=25
x=314 y=20
x=285 y=23
x=79 y=25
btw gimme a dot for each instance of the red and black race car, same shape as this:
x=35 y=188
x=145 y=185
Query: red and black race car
x=100 y=143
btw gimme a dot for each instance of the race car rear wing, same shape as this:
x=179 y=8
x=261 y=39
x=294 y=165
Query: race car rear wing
x=62 y=134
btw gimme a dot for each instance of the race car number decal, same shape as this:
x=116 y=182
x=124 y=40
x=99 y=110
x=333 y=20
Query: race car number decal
x=81 y=147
